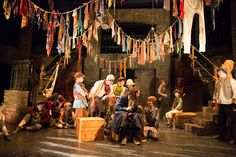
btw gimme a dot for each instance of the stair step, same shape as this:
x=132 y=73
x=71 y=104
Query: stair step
x=207 y=109
x=203 y=122
x=206 y=115
x=200 y=130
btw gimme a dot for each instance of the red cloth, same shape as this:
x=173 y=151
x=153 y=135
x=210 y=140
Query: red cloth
x=181 y=6
x=107 y=88
x=24 y=7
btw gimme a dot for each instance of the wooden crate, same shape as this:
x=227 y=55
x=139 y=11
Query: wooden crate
x=89 y=128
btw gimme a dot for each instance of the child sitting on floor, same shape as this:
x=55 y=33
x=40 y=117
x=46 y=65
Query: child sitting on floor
x=67 y=115
x=152 y=119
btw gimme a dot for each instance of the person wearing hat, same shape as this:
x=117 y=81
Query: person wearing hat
x=79 y=92
x=67 y=115
x=37 y=118
x=176 y=107
x=224 y=96
x=3 y=127
x=130 y=84
x=53 y=104
x=118 y=89
x=99 y=92
x=152 y=119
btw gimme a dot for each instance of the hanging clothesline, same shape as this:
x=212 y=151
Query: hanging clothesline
x=60 y=13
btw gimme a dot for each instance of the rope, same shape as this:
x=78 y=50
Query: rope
x=50 y=90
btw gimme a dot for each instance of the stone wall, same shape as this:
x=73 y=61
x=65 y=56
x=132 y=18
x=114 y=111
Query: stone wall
x=146 y=75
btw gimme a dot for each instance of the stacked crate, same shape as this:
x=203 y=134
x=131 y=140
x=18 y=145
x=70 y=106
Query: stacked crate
x=15 y=105
x=89 y=128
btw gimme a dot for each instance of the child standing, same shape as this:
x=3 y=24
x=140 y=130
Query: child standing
x=80 y=93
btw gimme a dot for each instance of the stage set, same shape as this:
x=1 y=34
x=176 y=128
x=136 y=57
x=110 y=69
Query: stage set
x=118 y=78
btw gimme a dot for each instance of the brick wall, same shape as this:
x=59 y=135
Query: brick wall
x=14 y=105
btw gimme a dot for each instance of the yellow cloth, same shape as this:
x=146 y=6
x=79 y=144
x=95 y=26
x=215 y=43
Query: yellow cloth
x=228 y=65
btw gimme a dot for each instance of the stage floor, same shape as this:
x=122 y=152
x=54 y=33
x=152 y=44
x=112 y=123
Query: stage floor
x=56 y=142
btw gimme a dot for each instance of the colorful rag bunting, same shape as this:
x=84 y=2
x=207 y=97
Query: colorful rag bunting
x=61 y=35
x=53 y=23
x=24 y=12
x=7 y=8
x=86 y=17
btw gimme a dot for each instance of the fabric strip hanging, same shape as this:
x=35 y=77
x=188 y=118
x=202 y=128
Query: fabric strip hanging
x=75 y=23
x=125 y=62
x=61 y=35
x=7 y=8
x=120 y=69
x=192 y=7
x=86 y=17
x=175 y=8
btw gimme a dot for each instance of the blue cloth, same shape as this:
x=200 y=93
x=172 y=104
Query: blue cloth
x=78 y=103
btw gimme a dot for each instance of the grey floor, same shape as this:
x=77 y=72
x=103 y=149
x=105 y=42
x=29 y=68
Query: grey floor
x=55 y=142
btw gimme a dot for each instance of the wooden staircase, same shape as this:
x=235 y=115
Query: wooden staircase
x=204 y=123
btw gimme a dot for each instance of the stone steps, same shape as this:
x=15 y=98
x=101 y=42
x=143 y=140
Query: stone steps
x=202 y=122
x=208 y=116
x=199 y=129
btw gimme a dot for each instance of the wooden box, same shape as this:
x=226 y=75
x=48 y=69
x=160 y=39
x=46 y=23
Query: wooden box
x=89 y=128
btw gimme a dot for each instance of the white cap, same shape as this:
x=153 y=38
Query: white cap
x=130 y=82
x=110 y=77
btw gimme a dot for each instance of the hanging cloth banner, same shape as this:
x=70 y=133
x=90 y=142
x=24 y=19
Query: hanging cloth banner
x=120 y=69
x=80 y=23
x=181 y=6
x=152 y=52
x=86 y=17
x=45 y=21
x=53 y=23
x=7 y=8
x=190 y=8
x=61 y=35
x=175 y=9
x=90 y=32
x=118 y=38
x=75 y=23
x=125 y=62
x=79 y=47
x=24 y=12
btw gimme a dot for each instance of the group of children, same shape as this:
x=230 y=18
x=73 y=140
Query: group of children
x=128 y=119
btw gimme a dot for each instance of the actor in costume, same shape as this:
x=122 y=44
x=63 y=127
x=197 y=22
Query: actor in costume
x=118 y=89
x=128 y=120
x=67 y=116
x=130 y=84
x=99 y=92
x=224 y=95
x=161 y=92
x=233 y=125
x=176 y=107
x=152 y=119
x=3 y=127
x=54 y=101
x=80 y=101
x=35 y=120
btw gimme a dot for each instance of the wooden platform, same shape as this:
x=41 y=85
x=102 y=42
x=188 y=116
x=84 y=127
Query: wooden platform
x=89 y=128
x=184 y=117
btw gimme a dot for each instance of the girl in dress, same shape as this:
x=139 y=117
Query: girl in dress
x=79 y=92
